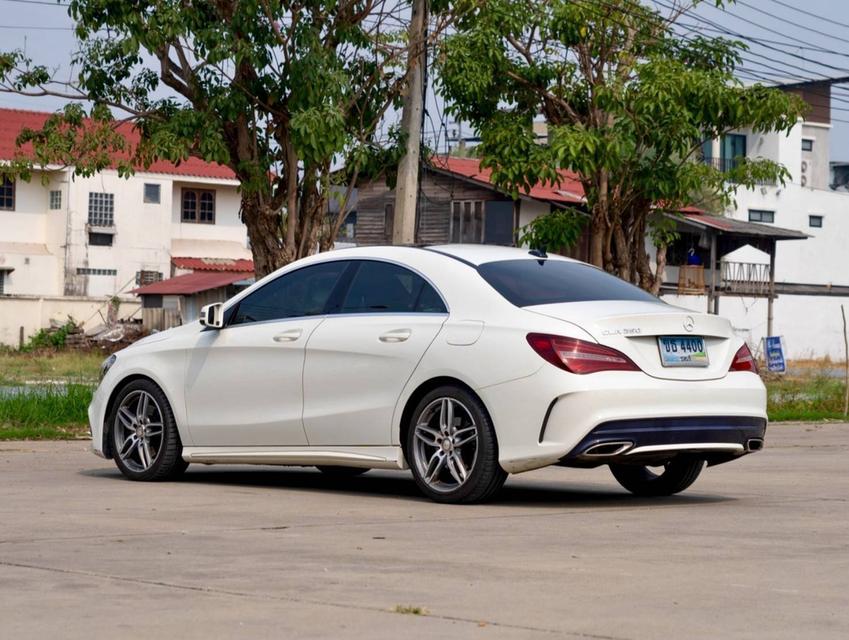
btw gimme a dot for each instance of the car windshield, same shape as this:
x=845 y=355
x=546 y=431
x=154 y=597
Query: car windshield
x=530 y=282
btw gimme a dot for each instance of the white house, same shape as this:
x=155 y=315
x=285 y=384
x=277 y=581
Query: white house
x=68 y=244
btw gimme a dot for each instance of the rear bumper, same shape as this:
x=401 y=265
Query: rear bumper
x=716 y=438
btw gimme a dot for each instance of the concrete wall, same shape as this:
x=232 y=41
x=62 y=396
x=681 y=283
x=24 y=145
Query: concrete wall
x=34 y=313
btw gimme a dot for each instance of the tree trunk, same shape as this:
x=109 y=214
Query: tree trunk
x=263 y=226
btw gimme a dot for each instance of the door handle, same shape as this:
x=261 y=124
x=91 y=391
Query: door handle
x=396 y=335
x=288 y=336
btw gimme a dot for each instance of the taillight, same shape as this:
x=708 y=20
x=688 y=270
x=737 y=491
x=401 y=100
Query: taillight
x=744 y=360
x=579 y=356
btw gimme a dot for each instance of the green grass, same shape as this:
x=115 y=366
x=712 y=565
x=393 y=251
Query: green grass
x=45 y=413
x=68 y=366
x=808 y=398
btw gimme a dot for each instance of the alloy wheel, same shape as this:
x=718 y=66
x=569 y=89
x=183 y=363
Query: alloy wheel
x=138 y=430
x=445 y=444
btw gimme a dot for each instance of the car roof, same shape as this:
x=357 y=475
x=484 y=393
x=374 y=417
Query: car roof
x=478 y=254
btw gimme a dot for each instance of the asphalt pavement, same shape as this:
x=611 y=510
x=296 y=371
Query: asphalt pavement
x=757 y=548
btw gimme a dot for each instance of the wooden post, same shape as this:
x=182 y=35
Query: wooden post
x=846 y=364
x=713 y=307
x=771 y=292
x=407 y=186
x=21 y=338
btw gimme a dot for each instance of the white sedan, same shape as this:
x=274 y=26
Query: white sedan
x=462 y=363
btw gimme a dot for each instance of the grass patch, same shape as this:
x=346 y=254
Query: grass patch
x=56 y=412
x=805 y=398
x=18 y=367
x=409 y=610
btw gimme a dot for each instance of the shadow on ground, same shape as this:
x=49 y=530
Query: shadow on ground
x=519 y=491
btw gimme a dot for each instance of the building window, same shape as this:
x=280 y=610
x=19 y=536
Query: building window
x=732 y=150
x=7 y=194
x=815 y=221
x=2 y=282
x=148 y=277
x=807 y=144
x=198 y=206
x=389 y=220
x=55 y=200
x=152 y=193
x=101 y=209
x=466 y=224
x=87 y=271
x=760 y=215
x=100 y=239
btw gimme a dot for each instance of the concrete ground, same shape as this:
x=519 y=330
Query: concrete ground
x=755 y=549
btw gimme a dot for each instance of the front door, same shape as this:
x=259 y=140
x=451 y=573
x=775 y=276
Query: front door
x=244 y=381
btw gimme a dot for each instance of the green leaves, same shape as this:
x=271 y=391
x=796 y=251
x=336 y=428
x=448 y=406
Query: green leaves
x=557 y=231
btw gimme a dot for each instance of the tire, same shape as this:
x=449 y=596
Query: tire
x=145 y=441
x=467 y=472
x=678 y=474
x=341 y=472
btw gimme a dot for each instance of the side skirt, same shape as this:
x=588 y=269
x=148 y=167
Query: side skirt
x=365 y=457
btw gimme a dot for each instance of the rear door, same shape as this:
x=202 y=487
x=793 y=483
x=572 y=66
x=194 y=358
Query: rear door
x=359 y=359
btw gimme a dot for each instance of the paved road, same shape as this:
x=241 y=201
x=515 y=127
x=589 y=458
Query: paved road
x=756 y=549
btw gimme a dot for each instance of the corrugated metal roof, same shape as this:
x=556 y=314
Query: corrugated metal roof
x=213 y=264
x=194 y=282
x=743 y=228
x=13 y=121
x=568 y=191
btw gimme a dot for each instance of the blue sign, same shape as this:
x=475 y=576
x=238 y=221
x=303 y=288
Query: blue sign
x=775 y=354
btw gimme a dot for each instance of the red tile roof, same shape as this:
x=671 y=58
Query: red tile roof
x=193 y=283
x=13 y=121
x=213 y=264
x=568 y=191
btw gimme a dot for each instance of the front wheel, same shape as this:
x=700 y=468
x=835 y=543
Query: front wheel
x=146 y=443
x=452 y=448
x=663 y=480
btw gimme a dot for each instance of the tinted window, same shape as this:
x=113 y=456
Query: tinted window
x=304 y=292
x=530 y=282
x=380 y=287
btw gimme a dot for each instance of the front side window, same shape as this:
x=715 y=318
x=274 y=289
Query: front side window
x=198 y=206
x=760 y=215
x=304 y=292
x=382 y=287
x=525 y=283
x=101 y=209
x=7 y=194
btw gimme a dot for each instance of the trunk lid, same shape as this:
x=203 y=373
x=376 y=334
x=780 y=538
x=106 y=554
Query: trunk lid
x=634 y=328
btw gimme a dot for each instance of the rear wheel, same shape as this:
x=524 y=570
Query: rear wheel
x=452 y=448
x=665 y=479
x=341 y=472
x=145 y=439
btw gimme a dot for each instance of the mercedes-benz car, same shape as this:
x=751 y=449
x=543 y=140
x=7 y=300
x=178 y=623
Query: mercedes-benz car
x=462 y=363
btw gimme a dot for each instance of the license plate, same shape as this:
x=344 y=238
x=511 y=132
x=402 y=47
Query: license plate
x=682 y=351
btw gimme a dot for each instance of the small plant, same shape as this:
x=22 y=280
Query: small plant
x=410 y=610
x=554 y=231
x=50 y=338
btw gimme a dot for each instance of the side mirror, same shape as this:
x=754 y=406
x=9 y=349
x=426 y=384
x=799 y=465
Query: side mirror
x=212 y=315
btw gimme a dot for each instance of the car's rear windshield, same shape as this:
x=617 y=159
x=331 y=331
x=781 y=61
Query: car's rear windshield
x=530 y=282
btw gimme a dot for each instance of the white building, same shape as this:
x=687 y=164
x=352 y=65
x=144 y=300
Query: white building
x=70 y=244
x=811 y=276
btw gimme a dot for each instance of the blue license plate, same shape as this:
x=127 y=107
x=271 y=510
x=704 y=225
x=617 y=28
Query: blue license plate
x=682 y=351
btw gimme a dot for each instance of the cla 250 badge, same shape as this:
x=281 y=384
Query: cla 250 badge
x=622 y=332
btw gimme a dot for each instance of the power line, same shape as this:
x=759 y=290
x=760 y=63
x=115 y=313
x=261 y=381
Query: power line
x=43 y=2
x=34 y=28
x=810 y=13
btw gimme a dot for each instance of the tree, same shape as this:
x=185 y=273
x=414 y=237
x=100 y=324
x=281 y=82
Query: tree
x=629 y=103
x=277 y=90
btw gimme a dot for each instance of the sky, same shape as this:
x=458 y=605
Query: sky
x=789 y=41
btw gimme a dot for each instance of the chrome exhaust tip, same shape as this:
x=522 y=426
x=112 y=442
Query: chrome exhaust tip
x=607 y=449
x=754 y=444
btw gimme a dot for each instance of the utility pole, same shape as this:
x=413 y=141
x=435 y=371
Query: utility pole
x=407 y=187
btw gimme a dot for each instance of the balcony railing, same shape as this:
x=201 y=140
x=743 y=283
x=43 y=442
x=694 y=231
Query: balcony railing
x=734 y=278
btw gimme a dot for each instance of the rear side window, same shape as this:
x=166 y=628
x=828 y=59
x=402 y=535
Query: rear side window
x=530 y=282
x=381 y=287
x=304 y=292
